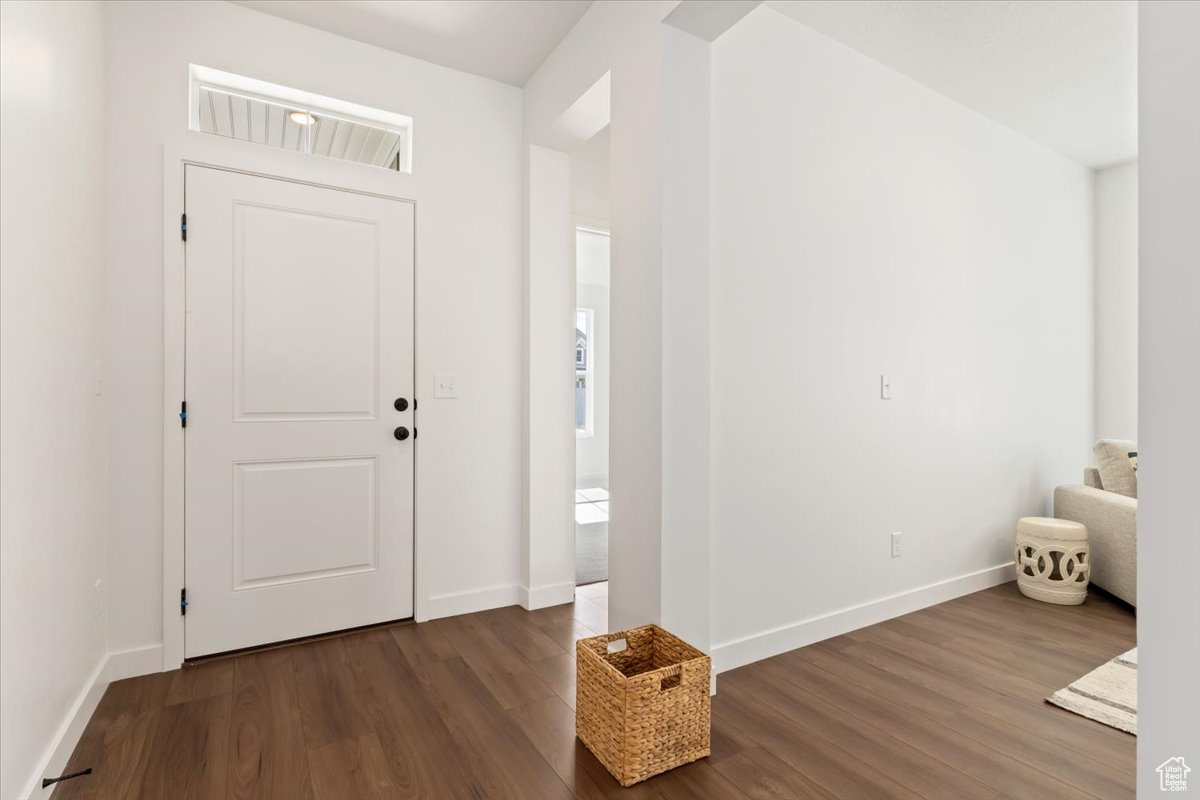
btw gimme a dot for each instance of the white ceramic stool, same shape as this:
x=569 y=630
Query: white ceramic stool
x=1052 y=560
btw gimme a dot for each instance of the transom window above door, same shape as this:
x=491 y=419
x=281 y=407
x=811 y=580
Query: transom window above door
x=251 y=110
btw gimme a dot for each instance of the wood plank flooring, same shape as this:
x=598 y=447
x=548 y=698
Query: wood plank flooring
x=946 y=702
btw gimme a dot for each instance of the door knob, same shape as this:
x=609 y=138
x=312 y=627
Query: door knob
x=401 y=404
x=401 y=433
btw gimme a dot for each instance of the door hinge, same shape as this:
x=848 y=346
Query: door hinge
x=183 y=414
x=183 y=602
x=183 y=226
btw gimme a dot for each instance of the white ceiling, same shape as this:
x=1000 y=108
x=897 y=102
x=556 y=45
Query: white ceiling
x=505 y=40
x=1062 y=73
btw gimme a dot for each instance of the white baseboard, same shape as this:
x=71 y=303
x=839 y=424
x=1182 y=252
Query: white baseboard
x=748 y=649
x=451 y=605
x=113 y=667
x=59 y=751
x=132 y=663
x=545 y=596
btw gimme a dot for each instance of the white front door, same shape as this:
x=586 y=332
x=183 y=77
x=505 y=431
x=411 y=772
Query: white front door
x=299 y=489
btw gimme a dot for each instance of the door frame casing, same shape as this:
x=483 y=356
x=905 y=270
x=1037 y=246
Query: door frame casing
x=205 y=150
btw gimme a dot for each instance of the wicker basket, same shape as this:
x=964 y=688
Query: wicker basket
x=645 y=709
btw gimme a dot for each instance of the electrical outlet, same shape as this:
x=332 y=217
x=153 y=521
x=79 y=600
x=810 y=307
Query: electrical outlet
x=445 y=385
x=97 y=598
x=896 y=544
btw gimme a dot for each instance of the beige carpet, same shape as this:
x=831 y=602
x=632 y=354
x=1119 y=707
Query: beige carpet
x=591 y=553
x=1107 y=694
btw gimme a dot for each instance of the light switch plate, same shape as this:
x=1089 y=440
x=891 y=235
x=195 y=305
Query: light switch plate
x=896 y=544
x=885 y=387
x=445 y=385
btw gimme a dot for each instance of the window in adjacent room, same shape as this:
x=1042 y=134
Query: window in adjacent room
x=584 y=388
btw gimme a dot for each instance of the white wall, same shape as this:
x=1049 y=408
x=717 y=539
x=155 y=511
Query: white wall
x=467 y=184
x=687 y=222
x=620 y=37
x=548 y=546
x=52 y=423
x=591 y=452
x=1116 y=243
x=646 y=62
x=659 y=397
x=866 y=224
x=635 y=388
x=605 y=35
x=589 y=178
x=1168 y=392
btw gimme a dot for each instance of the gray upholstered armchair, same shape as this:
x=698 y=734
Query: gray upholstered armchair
x=1111 y=520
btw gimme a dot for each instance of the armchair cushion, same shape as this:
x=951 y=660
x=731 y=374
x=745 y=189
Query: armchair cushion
x=1117 y=461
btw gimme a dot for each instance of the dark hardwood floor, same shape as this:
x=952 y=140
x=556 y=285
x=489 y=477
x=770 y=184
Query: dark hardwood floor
x=946 y=702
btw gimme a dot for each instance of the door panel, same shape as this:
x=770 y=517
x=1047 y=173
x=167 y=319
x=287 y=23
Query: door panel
x=306 y=315
x=281 y=510
x=299 y=504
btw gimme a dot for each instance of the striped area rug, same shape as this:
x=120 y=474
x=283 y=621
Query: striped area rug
x=1107 y=694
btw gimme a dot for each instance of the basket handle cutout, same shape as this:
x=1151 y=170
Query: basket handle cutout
x=618 y=646
x=670 y=677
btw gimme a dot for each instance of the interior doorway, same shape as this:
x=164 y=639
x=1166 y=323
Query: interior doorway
x=591 y=407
